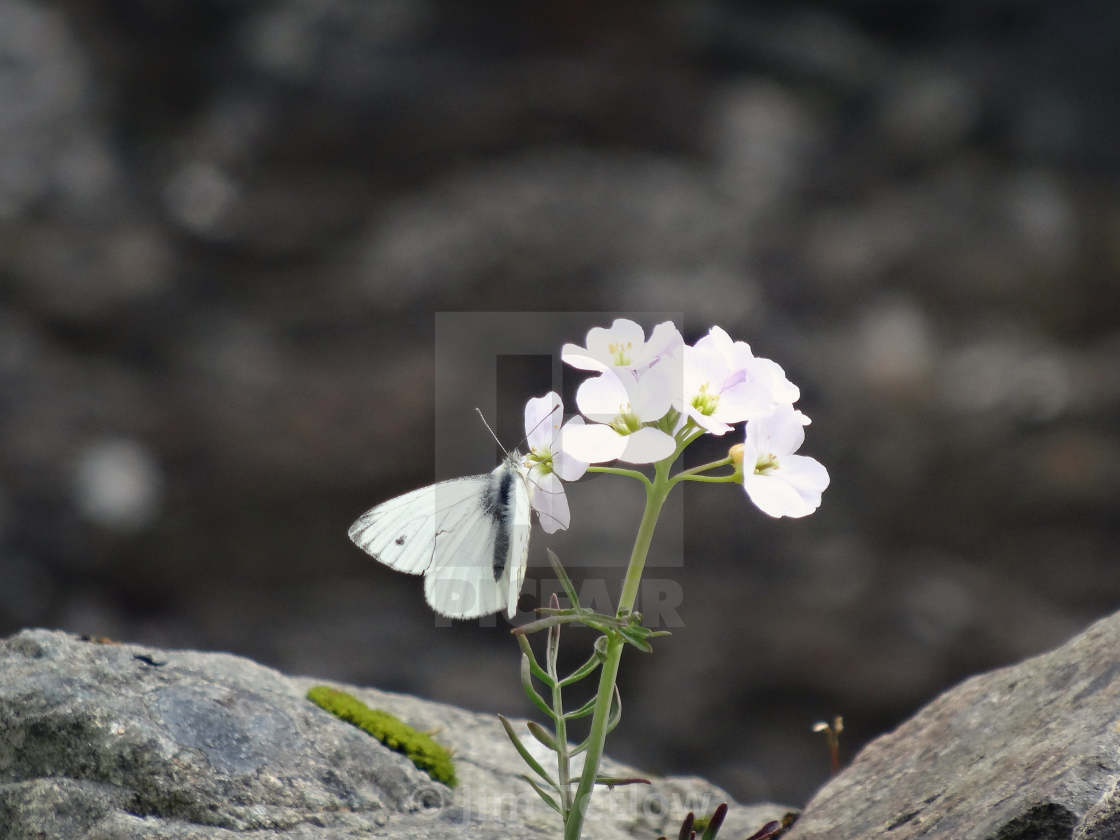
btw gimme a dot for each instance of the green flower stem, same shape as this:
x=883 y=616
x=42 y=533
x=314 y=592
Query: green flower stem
x=656 y=491
x=563 y=760
x=686 y=475
x=712 y=479
x=619 y=471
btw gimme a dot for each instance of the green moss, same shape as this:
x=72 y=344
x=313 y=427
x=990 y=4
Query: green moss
x=424 y=752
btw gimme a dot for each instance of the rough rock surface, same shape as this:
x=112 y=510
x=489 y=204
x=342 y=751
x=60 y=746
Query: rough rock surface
x=108 y=741
x=1030 y=752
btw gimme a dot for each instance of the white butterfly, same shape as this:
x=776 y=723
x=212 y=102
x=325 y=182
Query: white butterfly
x=469 y=537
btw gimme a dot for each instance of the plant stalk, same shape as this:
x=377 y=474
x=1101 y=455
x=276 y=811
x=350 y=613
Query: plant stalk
x=656 y=491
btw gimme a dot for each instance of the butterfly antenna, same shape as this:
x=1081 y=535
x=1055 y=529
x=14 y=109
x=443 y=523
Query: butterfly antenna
x=540 y=423
x=491 y=431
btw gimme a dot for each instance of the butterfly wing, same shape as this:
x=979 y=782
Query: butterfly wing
x=481 y=571
x=519 y=545
x=410 y=532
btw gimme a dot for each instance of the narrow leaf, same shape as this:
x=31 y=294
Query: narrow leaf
x=636 y=639
x=715 y=822
x=552 y=647
x=534 y=666
x=613 y=781
x=545 y=623
x=583 y=711
x=525 y=754
x=542 y=735
x=686 y=826
x=530 y=692
x=543 y=794
x=562 y=575
x=616 y=711
x=771 y=829
x=584 y=670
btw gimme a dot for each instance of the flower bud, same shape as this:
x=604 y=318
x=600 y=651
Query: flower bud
x=735 y=453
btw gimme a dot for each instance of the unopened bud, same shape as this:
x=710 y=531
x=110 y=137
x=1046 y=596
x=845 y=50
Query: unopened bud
x=735 y=453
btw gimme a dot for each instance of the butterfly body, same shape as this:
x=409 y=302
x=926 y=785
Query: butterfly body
x=468 y=536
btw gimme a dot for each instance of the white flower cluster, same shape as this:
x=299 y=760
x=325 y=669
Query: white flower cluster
x=648 y=399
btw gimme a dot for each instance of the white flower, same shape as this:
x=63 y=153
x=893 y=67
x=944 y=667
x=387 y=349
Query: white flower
x=638 y=383
x=724 y=383
x=777 y=481
x=548 y=462
x=623 y=345
x=620 y=403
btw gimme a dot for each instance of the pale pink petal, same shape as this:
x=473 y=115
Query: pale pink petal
x=651 y=394
x=563 y=464
x=778 y=433
x=648 y=445
x=594 y=443
x=623 y=331
x=709 y=423
x=807 y=475
x=664 y=340
x=602 y=398
x=742 y=402
x=549 y=501
x=578 y=357
x=543 y=416
x=775 y=497
x=717 y=340
x=771 y=376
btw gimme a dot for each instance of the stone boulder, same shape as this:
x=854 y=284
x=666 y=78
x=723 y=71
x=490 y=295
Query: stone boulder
x=104 y=741
x=1029 y=752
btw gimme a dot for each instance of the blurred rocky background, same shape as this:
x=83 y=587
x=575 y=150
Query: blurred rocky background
x=226 y=229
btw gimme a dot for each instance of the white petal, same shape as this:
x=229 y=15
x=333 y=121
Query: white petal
x=703 y=367
x=778 y=433
x=770 y=374
x=709 y=423
x=717 y=340
x=807 y=475
x=602 y=398
x=543 y=416
x=651 y=395
x=578 y=357
x=565 y=465
x=742 y=402
x=623 y=332
x=647 y=446
x=550 y=502
x=664 y=340
x=594 y=443
x=775 y=497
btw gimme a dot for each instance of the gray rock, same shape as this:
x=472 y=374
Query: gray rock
x=115 y=741
x=1030 y=752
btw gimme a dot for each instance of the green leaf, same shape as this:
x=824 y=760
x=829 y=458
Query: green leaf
x=562 y=575
x=616 y=711
x=583 y=711
x=543 y=794
x=635 y=639
x=526 y=755
x=584 y=670
x=542 y=735
x=615 y=781
x=530 y=692
x=552 y=644
x=534 y=666
x=545 y=623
